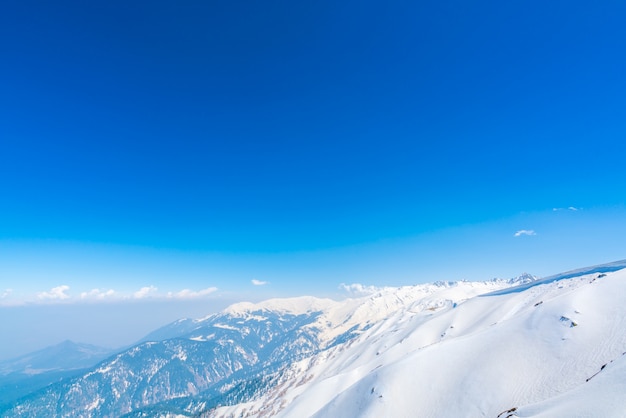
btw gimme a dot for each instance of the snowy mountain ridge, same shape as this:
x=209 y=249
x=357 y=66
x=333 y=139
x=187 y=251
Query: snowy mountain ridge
x=337 y=317
x=522 y=346
x=552 y=349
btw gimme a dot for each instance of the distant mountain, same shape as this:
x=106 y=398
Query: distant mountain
x=442 y=349
x=67 y=355
x=524 y=278
x=24 y=374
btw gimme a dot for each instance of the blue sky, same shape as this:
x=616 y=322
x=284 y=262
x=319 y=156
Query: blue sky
x=203 y=145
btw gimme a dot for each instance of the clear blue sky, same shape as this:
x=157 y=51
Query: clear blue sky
x=199 y=145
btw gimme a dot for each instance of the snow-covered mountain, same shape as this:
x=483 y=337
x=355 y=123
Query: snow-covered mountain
x=191 y=360
x=548 y=348
x=519 y=347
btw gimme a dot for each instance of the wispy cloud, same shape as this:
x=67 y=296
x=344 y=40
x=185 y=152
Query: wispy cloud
x=358 y=289
x=191 y=294
x=98 y=294
x=522 y=232
x=570 y=208
x=61 y=294
x=56 y=293
x=145 y=292
x=258 y=282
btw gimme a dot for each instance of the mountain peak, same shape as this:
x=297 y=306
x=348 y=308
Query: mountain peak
x=523 y=278
x=295 y=305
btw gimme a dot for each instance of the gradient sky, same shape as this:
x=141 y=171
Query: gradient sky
x=225 y=150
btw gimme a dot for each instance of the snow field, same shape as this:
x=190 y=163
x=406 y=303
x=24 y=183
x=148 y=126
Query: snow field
x=445 y=351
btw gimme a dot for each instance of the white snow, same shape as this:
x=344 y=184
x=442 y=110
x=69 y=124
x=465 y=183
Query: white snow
x=441 y=350
x=602 y=396
x=199 y=338
x=225 y=326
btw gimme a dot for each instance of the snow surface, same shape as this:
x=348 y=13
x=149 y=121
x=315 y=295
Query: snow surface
x=440 y=351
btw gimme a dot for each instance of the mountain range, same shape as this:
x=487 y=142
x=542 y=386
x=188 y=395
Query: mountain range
x=501 y=348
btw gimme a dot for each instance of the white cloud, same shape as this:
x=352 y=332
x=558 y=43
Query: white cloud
x=357 y=289
x=521 y=232
x=56 y=293
x=258 y=282
x=191 y=294
x=571 y=208
x=144 y=292
x=61 y=294
x=97 y=294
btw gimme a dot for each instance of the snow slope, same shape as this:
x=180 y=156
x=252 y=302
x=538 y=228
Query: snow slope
x=502 y=348
x=533 y=350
